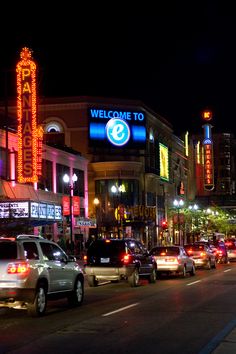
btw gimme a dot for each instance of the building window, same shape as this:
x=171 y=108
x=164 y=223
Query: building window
x=45 y=181
x=79 y=184
x=61 y=170
x=3 y=159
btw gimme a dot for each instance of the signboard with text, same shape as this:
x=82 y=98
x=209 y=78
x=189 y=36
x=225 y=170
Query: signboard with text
x=30 y=210
x=116 y=128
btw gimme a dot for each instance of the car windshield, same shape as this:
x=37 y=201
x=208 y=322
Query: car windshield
x=8 y=250
x=165 y=251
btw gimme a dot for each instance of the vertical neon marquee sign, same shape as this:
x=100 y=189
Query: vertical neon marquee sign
x=26 y=116
x=208 y=154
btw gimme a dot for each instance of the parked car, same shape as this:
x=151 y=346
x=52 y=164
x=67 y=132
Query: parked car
x=34 y=270
x=201 y=254
x=173 y=260
x=117 y=259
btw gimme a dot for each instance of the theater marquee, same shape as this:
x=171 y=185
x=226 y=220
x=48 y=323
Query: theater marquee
x=26 y=116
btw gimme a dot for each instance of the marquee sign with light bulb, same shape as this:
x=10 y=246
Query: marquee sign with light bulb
x=26 y=116
x=208 y=155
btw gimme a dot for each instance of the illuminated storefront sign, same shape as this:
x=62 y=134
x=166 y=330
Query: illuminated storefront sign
x=66 y=205
x=26 y=116
x=164 y=162
x=75 y=205
x=140 y=212
x=14 y=210
x=207 y=115
x=40 y=133
x=117 y=127
x=30 y=210
x=208 y=166
x=208 y=158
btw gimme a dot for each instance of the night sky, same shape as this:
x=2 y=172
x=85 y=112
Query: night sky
x=177 y=57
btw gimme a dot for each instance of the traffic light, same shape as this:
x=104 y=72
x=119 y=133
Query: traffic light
x=164 y=224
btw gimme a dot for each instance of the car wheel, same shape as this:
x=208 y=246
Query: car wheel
x=77 y=295
x=153 y=276
x=92 y=281
x=38 y=306
x=184 y=272
x=133 y=279
x=193 y=270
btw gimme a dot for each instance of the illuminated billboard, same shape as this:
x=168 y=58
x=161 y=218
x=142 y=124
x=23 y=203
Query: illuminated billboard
x=26 y=116
x=208 y=158
x=164 y=162
x=208 y=166
x=116 y=128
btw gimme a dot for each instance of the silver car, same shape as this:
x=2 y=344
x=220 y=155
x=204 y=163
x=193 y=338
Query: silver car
x=173 y=260
x=34 y=270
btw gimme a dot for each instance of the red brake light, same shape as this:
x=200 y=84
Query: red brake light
x=163 y=254
x=85 y=258
x=126 y=258
x=18 y=268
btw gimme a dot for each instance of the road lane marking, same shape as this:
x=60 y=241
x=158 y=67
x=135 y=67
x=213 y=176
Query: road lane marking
x=194 y=282
x=227 y=270
x=121 y=309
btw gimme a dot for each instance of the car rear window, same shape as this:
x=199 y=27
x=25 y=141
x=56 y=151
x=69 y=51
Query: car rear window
x=168 y=251
x=195 y=247
x=8 y=250
x=103 y=248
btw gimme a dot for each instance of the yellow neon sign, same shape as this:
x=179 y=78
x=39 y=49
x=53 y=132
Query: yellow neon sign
x=26 y=116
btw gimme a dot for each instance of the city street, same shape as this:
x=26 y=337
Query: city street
x=175 y=315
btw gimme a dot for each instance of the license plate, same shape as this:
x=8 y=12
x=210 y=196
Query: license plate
x=105 y=260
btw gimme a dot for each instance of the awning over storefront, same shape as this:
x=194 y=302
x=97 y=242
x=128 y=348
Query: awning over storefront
x=13 y=224
x=11 y=190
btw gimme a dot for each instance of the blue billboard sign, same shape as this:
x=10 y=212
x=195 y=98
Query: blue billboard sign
x=117 y=128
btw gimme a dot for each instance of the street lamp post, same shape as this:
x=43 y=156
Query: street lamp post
x=66 y=179
x=96 y=202
x=118 y=190
x=194 y=225
x=178 y=205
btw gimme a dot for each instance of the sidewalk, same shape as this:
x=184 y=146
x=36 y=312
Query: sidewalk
x=224 y=342
x=227 y=344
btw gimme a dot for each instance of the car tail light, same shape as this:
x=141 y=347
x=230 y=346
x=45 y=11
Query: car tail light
x=85 y=258
x=190 y=251
x=18 y=268
x=126 y=258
